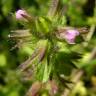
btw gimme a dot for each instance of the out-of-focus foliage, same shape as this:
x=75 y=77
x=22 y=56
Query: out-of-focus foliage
x=77 y=13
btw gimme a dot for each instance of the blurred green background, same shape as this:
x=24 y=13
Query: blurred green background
x=80 y=13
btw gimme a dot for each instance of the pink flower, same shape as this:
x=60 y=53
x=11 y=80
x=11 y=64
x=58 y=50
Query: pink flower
x=70 y=35
x=21 y=14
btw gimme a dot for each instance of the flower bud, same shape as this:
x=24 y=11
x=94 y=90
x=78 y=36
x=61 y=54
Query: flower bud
x=52 y=87
x=22 y=15
x=34 y=90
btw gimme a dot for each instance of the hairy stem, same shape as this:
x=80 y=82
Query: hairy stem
x=53 y=7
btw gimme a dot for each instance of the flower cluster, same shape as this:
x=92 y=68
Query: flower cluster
x=68 y=34
x=44 y=53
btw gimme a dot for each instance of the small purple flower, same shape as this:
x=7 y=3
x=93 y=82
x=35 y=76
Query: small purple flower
x=70 y=35
x=20 y=14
